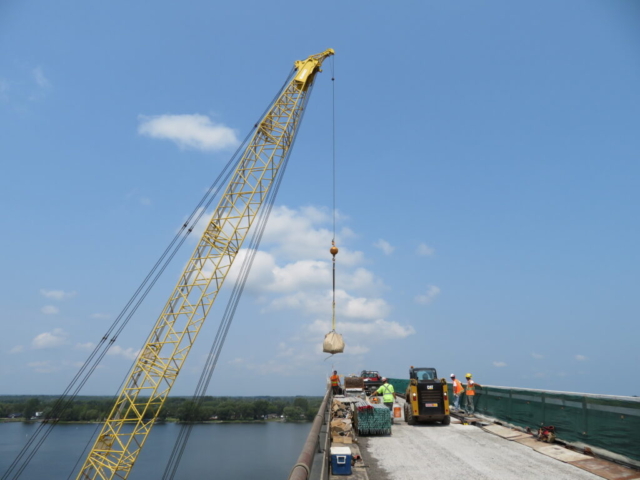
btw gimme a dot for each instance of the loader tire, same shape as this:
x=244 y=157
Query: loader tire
x=408 y=414
x=446 y=420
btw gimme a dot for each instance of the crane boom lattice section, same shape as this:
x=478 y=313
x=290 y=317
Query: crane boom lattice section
x=156 y=368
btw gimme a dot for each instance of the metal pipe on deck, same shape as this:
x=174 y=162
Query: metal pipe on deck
x=302 y=468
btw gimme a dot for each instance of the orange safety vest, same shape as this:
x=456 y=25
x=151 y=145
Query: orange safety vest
x=471 y=389
x=457 y=387
x=335 y=380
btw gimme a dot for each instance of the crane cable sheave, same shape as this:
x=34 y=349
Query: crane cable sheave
x=309 y=67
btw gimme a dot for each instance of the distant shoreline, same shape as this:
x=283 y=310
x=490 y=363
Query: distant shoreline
x=159 y=422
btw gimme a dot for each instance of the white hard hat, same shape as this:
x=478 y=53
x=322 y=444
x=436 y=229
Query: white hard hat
x=452 y=375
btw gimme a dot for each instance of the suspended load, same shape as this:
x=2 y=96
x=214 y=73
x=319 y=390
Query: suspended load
x=333 y=342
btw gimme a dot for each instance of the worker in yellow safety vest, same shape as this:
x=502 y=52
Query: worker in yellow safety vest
x=470 y=394
x=388 y=393
x=335 y=383
x=457 y=391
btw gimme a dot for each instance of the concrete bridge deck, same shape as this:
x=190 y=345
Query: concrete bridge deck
x=458 y=451
x=434 y=451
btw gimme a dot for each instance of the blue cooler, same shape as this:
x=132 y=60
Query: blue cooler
x=340 y=460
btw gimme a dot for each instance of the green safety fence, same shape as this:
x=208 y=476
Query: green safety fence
x=399 y=385
x=603 y=421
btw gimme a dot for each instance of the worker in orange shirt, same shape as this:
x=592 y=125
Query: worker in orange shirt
x=470 y=394
x=335 y=383
x=457 y=391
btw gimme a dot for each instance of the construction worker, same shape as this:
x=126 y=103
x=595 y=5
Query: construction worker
x=388 y=393
x=457 y=391
x=335 y=383
x=470 y=393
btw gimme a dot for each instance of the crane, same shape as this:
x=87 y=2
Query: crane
x=156 y=368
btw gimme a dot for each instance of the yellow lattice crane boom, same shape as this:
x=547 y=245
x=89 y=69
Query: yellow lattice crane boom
x=156 y=368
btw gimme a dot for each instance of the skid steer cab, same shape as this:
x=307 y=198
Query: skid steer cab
x=427 y=398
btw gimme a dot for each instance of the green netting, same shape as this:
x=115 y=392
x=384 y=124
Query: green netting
x=399 y=385
x=607 y=422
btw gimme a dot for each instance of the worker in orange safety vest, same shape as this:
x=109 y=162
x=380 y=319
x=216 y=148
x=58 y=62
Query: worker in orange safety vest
x=457 y=391
x=335 y=383
x=470 y=394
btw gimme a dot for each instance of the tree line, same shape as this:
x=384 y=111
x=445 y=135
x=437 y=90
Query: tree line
x=181 y=409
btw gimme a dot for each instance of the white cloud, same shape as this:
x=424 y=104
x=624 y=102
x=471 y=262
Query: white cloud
x=356 y=350
x=380 y=329
x=303 y=275
x=537 y=356
x=285 y=350
x=425 y=250
x=85 y=346
x=346 y=305
x=128 y=353
x=188 y=131
x=581 y=358
x=238 y=361
x=16 y=349
x=304 y=234
x=428 y=297
x=100 y=316
x=384 y=246
x=56 y=338
x=499 y=364
x=293 y=271
x=43 y=367
x=40 y=79
x=293 y=235
x=57 y=294
x=49 y=310
x=360 y=307
x=42 y=82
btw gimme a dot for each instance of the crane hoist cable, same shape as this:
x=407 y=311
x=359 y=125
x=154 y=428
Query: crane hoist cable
x=333 y=341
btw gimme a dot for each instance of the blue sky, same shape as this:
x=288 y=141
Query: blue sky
x=487 y=187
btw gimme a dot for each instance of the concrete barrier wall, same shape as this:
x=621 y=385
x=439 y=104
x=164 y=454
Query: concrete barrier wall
x=602 y=421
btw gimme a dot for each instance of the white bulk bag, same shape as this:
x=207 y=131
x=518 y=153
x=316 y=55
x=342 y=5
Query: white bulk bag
x=333 y=343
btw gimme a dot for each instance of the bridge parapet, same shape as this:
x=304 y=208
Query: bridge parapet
x=312 y=463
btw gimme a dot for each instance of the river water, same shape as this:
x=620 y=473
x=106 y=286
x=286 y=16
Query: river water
x=214 y=451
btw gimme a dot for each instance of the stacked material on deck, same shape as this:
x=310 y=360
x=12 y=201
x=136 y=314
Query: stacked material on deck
x=373 y=419
x=354 y=386
x=342 y=415
x=354 y=382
